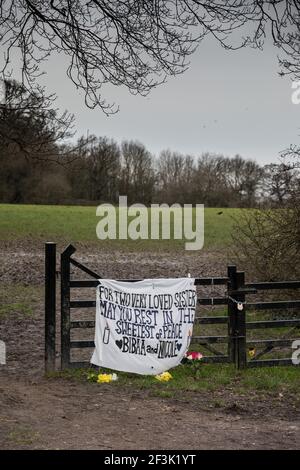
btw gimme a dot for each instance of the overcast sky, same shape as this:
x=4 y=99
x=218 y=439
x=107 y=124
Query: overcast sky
x=227 y=102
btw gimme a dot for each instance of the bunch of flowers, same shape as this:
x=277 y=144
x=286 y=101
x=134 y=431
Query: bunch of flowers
x=193 y=356
x=164 y=377
x=101 y=378
x=106 y=378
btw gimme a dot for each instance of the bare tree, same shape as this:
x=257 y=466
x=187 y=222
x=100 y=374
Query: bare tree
x=31 y=180
x=170 y=167
x=103 y=169
x=29 y=124
x=137 y=174
x=175 y=173
x=269 y=240
x=210 y=181
x=279 y=180
x=139 y=43
x=224 y=181
x=290 y=157
x=243 y=177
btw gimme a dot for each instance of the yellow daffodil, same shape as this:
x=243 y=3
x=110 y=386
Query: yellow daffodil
x=251 y=352
x=106 y=378
x=164 y=377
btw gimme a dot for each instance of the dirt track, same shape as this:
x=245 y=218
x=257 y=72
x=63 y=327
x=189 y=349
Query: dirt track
x=57 y=414
x=39 y=413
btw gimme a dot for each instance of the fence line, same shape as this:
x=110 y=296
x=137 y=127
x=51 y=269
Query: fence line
x=237 y=306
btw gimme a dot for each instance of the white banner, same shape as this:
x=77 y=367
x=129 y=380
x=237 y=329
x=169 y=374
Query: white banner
x=143 y=327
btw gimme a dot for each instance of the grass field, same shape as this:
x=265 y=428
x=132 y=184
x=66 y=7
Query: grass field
x=78 y=223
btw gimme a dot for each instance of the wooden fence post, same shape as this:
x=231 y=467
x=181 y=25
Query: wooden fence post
x=236 y=318
x=65 y=305
x=50 y=305
x=231 y=270
x=241 y=323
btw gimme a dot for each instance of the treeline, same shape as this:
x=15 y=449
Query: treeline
x=38 y=167
x=103 y=170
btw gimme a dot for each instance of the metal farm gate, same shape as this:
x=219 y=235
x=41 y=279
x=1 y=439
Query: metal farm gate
x=234 y=342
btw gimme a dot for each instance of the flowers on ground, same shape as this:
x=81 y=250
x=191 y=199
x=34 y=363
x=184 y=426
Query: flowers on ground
x=101 y=378
x=193 y=356
x=164 y=377
x=106 y=378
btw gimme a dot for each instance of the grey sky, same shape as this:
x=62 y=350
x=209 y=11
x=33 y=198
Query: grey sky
x=227 y=102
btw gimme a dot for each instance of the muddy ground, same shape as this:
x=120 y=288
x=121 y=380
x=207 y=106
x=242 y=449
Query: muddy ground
x=56 y=413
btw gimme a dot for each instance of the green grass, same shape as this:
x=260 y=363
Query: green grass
x=204 y=377
x=77 y=223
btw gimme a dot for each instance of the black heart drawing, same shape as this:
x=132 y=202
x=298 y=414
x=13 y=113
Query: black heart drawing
x=179 y=346
x=119 y=343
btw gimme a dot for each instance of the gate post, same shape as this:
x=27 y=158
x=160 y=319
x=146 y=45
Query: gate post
x=50 y=305
x=241 y=323
x=65 y=305
x=232 y=352
x=236 y=319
